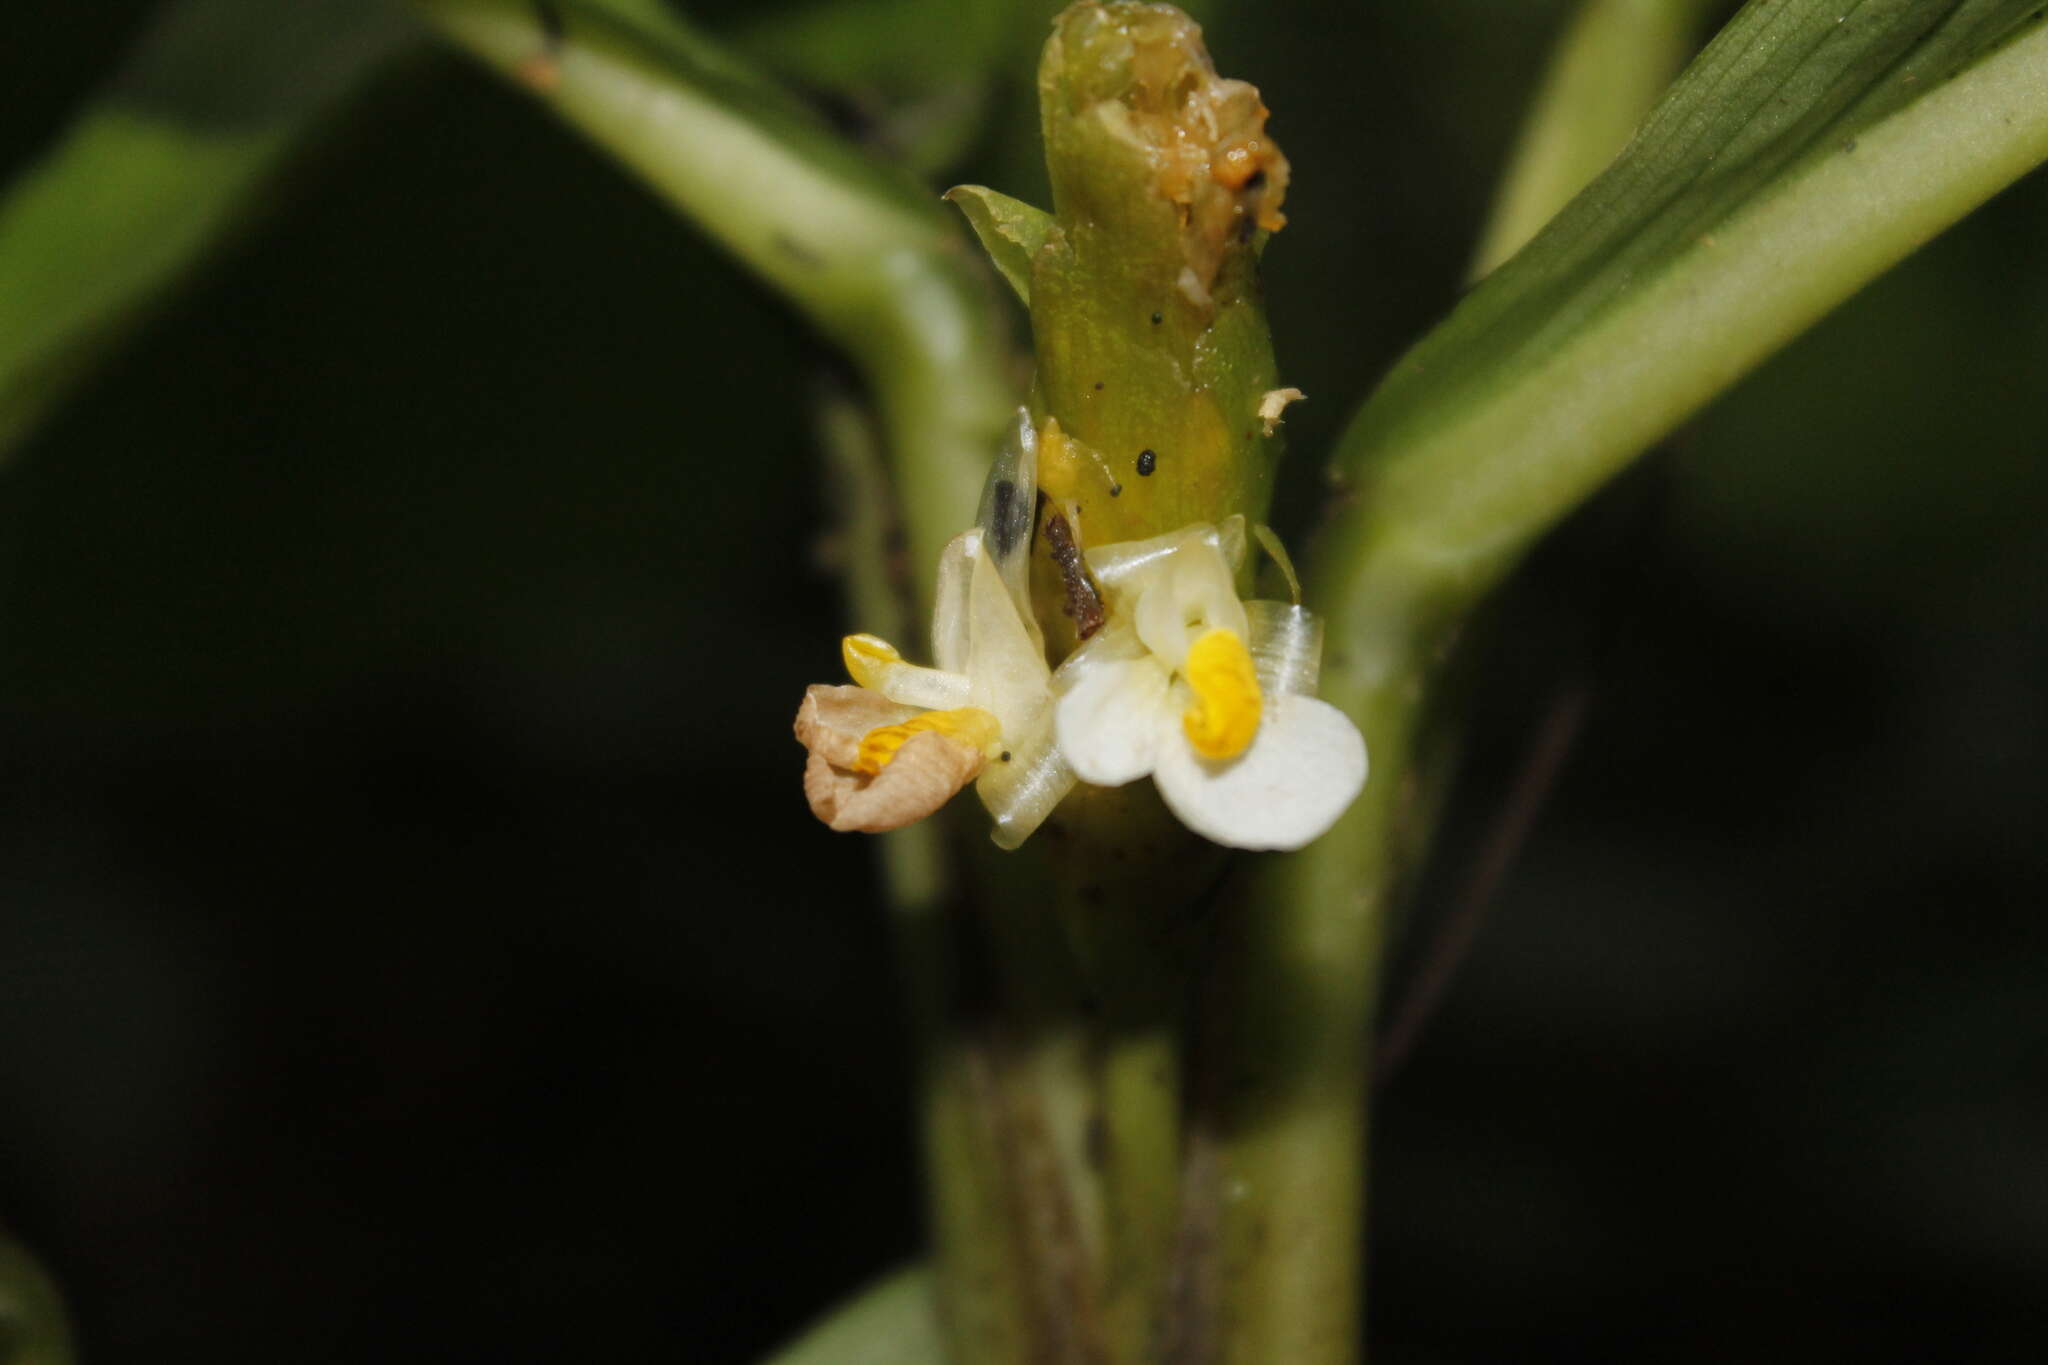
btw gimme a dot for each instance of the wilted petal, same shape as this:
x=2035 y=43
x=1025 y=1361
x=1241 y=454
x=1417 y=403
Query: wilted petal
x=833 y=720
x=1306 y=765
x=924 y=775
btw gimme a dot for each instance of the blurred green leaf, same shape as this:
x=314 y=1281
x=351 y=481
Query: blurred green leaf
x=898 y=45
x=33 y=1328
x=157 y=168
x=1812 y=146
x=906 y=46
x=892 y=1322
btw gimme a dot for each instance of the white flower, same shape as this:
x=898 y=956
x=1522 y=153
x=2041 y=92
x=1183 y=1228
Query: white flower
x=1211 y=696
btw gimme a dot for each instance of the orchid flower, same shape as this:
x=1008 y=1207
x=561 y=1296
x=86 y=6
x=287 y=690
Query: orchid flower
x=1213 y=697
x=904 y=738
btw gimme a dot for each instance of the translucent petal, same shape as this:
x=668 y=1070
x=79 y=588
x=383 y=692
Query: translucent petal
x=931 y=688
x=1127 y=565
x=1009 y=501
x=1108 y=722
x=1287 y=647
x=1306 y=765
x=951 y=634
x=1008 y=670
x=1228 y=539
x=875 y=664
x=1021 y=793
x=1269 y=541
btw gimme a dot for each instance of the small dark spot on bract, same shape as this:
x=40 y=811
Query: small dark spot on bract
x=1006 y=755
x=1098 y=386
x=1116 y=490
x=1147 y=462
x=1158 y=318
x=1009 y=517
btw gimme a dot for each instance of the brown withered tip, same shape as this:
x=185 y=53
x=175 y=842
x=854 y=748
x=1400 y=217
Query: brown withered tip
x=1204 y=135
x=926 y=773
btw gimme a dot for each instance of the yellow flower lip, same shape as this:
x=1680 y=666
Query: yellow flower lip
x=867 y=659
x=969 y=726
x=1225 y=717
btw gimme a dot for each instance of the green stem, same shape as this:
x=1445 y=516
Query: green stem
x=1294 y=1072
x=868 y=258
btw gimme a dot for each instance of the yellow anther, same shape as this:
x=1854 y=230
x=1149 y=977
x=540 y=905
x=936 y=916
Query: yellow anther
x=968 y=725
x=868 y=659
x=1225 y=717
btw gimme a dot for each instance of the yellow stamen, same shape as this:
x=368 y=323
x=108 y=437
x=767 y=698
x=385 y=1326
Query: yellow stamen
x=868 y=658
x=969 y=725
x=1225 y=717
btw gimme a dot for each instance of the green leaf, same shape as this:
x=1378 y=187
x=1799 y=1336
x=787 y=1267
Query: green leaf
x=156 y=170
x=1011 y=231
x=33 y=1327
x=1611 y=65
x=1812 y=146
x=892 y=1322
x=1809 y=148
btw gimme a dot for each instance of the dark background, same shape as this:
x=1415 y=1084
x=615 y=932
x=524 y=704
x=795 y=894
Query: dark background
x=413 y=945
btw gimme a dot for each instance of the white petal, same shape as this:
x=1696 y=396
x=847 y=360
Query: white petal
x=1116 y=642
x=1192 y=594
x=1305 y=767
x=1023 y=790
x=1108 y=723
